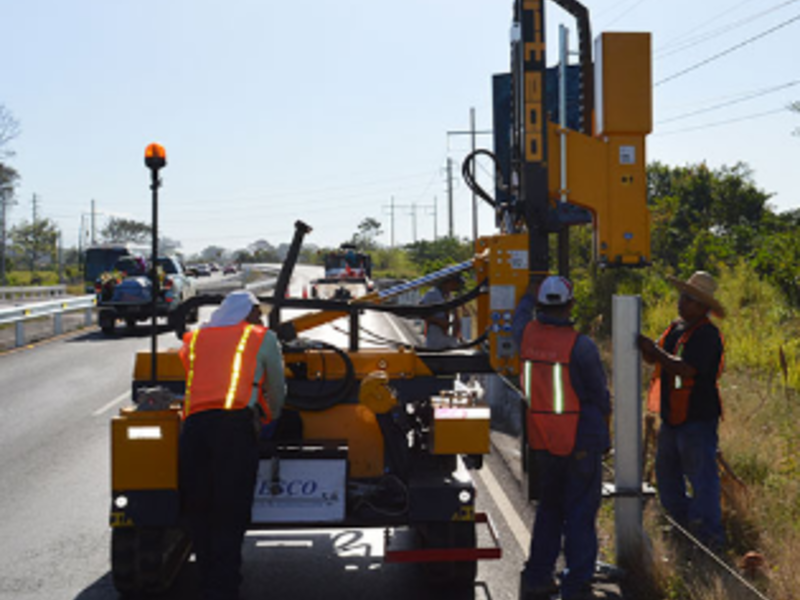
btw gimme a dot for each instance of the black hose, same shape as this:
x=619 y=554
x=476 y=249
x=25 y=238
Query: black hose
x=319 y=401
x=468 y=172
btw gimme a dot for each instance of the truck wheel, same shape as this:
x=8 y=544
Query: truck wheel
x=123 y=559
x=449 y=534
x=147 y=560
x=107 y=320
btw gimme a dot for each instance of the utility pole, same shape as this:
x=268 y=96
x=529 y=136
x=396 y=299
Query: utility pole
x=474 y=198
x=60 y=257
x=450 y=196
x=391 y=208
x=472 y=133
x=6 y=201
x=413 y=214
x=94 y=240
x=412 y=208
x=35 y=208
x=435 y=218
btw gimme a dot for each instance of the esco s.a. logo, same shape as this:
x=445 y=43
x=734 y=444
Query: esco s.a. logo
x=293 y=488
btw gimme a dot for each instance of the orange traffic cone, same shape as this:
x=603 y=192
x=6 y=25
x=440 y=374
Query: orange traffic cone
x=305 y=293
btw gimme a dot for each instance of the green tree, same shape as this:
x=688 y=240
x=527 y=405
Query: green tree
x=434 y=255
x=36 y=242
x=8 y=180
x=9 y=129
x=213 y=254
x=703 y=217
x=368 y=230
x=126 y=230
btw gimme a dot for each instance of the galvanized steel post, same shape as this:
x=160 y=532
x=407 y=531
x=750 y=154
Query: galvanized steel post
x=19 y=330
x=626 y=322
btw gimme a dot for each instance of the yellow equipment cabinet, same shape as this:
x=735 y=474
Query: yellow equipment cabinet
x=606 y=173
x=504 y=264
x=144 y=465
x=459 y=426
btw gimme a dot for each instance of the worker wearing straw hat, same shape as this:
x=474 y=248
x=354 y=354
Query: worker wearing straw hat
x=689 y=358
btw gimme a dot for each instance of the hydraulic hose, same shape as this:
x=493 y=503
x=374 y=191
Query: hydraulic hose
x=319 y=401
x=468 y=172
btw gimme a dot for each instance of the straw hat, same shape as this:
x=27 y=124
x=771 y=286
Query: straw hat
x=700 y=286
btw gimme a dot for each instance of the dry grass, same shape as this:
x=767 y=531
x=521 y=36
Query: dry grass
x=760 y=442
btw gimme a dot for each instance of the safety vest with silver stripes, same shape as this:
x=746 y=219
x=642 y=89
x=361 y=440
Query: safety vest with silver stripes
x=553 y=405
x=220 y=364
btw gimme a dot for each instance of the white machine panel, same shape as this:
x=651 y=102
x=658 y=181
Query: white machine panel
x=308 y=491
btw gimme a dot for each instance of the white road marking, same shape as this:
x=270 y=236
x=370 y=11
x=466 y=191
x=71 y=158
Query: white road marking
x=515 y=524
x=121 y=398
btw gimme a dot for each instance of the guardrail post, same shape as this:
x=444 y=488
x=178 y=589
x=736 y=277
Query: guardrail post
x=58 y=324
x=625 y=321
x=88 y=317
x=19 y=326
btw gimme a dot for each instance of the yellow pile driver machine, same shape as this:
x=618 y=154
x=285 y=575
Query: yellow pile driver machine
x=386 y=440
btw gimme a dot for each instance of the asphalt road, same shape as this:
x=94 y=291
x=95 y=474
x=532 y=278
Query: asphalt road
x=57 y=400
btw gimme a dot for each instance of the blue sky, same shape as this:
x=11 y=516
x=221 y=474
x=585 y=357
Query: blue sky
x=324 y=111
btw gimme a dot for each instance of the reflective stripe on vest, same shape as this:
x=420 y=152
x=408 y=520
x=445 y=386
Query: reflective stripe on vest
x=187 y=402
x=237 y=367
x=558 y=386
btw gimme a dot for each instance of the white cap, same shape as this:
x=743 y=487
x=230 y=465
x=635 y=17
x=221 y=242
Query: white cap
x=234 y=309
x=555 y=291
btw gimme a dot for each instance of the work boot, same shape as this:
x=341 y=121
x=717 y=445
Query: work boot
x=538 y=592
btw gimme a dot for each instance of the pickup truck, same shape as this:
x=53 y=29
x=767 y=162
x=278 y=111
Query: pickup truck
x=126 y=292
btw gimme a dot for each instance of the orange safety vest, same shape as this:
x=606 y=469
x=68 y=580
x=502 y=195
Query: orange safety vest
x=554 y=407
x=682 y=387
x=220 y=364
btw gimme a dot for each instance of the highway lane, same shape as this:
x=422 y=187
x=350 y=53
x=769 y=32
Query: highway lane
x=57 y=400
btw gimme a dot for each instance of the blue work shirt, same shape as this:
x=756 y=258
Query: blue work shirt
x=586 y=375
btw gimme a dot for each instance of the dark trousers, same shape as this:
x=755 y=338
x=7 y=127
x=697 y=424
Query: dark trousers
x=689 y=451
x=570 y=498
x=218 y=467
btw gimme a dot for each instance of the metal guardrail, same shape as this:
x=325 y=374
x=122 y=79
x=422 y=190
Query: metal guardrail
x=263 y=285
x=18 y=315
x=31 y=292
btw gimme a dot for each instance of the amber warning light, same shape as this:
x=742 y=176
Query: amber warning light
x=155 y=157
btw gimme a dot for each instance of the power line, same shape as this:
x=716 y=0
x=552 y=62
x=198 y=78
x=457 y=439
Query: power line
x=624 y=14
x=692 y=42
x=720 y=123
x=728 y=51
x=742 y=98
x=688 y=33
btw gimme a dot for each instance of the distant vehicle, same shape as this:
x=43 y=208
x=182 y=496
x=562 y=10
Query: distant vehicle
x=228 y=270
x=101 y=258
x=347 y=273
x=202 y=271
x=214 y=267
x=126 y=292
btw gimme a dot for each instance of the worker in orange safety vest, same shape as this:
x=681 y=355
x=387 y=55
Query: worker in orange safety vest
x=689 y=358
x=564 y=384
x=234 y=386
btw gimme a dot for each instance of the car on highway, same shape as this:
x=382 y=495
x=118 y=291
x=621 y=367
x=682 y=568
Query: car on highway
x=202 y=271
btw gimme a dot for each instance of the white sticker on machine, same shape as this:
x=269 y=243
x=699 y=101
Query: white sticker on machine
x=627 y=155
x=502 y=297
x=518 y=259
x=305 y=490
